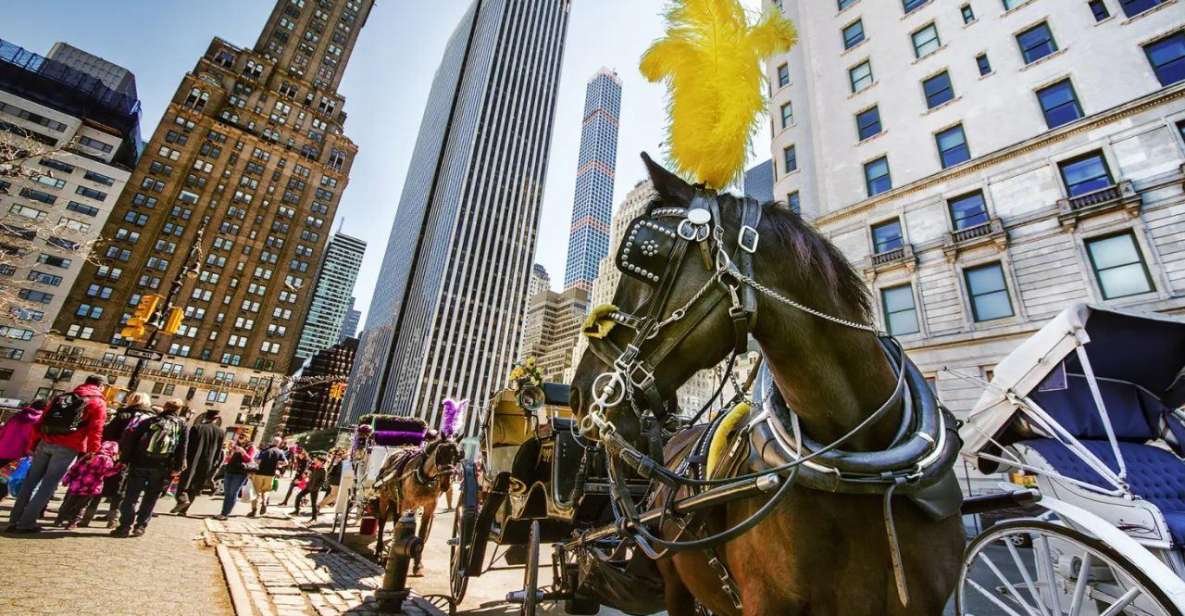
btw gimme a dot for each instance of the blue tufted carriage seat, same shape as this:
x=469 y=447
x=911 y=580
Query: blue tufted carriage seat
x=1153 y=473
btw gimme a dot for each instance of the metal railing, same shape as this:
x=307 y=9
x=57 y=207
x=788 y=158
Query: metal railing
x=982 y=230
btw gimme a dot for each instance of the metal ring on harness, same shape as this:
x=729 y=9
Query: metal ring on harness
x=615 y=386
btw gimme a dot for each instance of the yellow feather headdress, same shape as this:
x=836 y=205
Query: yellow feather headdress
x=711 y=59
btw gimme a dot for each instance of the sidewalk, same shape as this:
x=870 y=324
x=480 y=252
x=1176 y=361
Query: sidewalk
x=274 y=566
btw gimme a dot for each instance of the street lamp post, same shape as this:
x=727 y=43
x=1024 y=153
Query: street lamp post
x=193 y=267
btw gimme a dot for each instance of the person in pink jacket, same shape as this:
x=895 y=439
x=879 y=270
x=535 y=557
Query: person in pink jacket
x=84 y=482
x=16 y=436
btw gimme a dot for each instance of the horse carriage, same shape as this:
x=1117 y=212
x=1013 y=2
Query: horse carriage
x=1089 y=406
x=534 y=483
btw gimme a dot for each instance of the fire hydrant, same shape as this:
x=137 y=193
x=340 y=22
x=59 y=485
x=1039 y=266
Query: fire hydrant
x=405 y=547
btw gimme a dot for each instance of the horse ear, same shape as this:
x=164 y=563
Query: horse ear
x=668 y=185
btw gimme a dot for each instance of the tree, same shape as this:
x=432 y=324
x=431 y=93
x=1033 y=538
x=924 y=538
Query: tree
x=29 y=234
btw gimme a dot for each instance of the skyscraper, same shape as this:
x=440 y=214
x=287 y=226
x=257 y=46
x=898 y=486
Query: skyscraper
x=350 y=324
x=588 y=237
x=540 y=281
x=250 y=152
x=759 y=182
x=446 y=313
x=51 y=213
x=333 y=295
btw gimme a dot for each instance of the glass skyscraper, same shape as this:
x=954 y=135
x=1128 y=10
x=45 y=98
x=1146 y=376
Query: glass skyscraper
x=333 y=296
x=588 y=240
x=445 y=318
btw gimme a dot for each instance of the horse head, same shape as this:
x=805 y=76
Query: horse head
x=692 y=265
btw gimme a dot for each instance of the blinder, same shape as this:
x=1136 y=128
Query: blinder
x=646 y=250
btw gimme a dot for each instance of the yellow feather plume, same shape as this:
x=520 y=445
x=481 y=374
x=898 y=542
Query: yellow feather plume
x=711 y=60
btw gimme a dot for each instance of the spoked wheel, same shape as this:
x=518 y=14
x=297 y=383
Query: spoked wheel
x=461 y=545
x=531 y=576
x=1024 y=567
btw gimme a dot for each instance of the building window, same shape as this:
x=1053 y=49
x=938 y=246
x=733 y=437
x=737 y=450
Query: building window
x=886 y=236
x=952 y=146
x=1086 y=174
x=1036 y=43
x=783 y=75
x=876 y=176
x=787 y=115
x=1099 y=10
x=1131 y=8
x=843 y=4
x=1011 y=4
x=792 y=201
x=790 y=158
x=901 y=314
x=925 y=41
x=868 y=123
x=988 y=291
x=1168 y=58
x=985 y=65
x=853 y=34
x=860 y=76
x=1118 y=266
x=912 y=5
x=968 y=211
x=968 y=13
x=938 y=89
x=1059 y=103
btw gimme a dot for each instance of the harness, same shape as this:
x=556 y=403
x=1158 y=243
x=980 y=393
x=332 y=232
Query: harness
x=654 y=250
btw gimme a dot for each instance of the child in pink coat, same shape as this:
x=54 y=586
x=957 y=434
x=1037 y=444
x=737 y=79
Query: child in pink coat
x=84 y=482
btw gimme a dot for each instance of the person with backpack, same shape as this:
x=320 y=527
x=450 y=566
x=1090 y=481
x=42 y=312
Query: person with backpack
x=136 y=408
x=71 y=425
x=240 y=456
x=268 y=461
x=16 y=437
x=155 y=452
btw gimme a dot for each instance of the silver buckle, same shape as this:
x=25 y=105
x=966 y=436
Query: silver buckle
x=647 y=376
x=747 y=239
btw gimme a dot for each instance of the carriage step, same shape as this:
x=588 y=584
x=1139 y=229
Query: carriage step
x=517 y=597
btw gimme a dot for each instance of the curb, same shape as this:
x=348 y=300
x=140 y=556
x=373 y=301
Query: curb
x=239 y=597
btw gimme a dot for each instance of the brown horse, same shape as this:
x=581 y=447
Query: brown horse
x=414 y=479
x=818 y=553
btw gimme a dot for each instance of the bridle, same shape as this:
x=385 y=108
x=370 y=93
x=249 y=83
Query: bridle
x=698 y=226
x=430 y=452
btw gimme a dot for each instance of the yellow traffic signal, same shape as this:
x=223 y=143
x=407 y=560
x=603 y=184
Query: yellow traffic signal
x=173 y=323
x=147 y=307
x=134 y=330
x=337 y=391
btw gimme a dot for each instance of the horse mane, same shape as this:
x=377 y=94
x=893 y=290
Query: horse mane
x=816 y=255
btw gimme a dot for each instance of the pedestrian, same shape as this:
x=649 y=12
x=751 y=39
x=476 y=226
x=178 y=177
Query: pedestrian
x=333 y=476
x=204 y=451
x=300 y=468
x=84 y=483
x=71 y=425
x=316 y=479
x=155 y=453
x=16 y=436
x=239 y=462
x=269 y=460
x=136 y=408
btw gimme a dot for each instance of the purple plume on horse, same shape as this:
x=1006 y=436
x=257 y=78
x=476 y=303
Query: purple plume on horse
x=452 y=416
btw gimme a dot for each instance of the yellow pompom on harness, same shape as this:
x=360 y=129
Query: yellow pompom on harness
x=711 y=60
x=720 y=438
x=598 y=324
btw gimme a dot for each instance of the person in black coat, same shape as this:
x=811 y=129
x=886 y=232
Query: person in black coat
x=137 y=407
x=203 y=455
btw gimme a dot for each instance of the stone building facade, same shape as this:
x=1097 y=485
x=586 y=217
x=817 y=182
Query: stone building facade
x=247 y=167
x=986 y=165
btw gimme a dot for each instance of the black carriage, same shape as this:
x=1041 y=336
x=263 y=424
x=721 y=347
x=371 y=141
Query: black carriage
x=534 y=483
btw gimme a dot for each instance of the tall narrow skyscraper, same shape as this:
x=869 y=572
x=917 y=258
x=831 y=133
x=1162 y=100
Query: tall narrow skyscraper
x=244 y=171
x=445 y=317
x=588 y=240
x=350 y=325
x=333 y=295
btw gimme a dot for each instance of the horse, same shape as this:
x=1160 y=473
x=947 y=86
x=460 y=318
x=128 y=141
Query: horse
x=817 y=552
x=414 y=479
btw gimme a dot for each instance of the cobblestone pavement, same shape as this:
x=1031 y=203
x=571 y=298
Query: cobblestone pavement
x=275 y=566
x=85 y=572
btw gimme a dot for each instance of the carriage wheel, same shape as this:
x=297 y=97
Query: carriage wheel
x=531 y=576
x=461 y=546
x=1025 y=567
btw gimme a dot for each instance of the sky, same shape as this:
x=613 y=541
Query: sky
x=386 y=88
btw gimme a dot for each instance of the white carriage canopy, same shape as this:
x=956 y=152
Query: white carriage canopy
x=1096 y=393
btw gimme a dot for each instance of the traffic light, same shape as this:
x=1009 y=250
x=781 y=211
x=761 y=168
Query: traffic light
x=134 y=330
x=173 y=323
x=337 y=391
x=147 y=307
